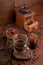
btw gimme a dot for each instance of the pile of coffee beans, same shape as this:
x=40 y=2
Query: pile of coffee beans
x=32 y=60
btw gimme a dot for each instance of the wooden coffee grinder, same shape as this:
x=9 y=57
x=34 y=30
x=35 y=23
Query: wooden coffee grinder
x=23 y=16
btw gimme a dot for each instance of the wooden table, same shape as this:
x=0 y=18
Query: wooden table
x=28 y=62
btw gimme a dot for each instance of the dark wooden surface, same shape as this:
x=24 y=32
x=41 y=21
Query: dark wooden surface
x=39 y=17
x=38 y=8
x=40 y=50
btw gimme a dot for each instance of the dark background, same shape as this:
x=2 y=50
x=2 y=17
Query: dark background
x=6 y=8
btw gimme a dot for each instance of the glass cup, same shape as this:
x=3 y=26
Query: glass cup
x=20 y=49
x=20 y=43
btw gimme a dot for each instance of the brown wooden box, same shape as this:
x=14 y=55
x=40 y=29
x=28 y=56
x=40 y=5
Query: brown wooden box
x=22 y=18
